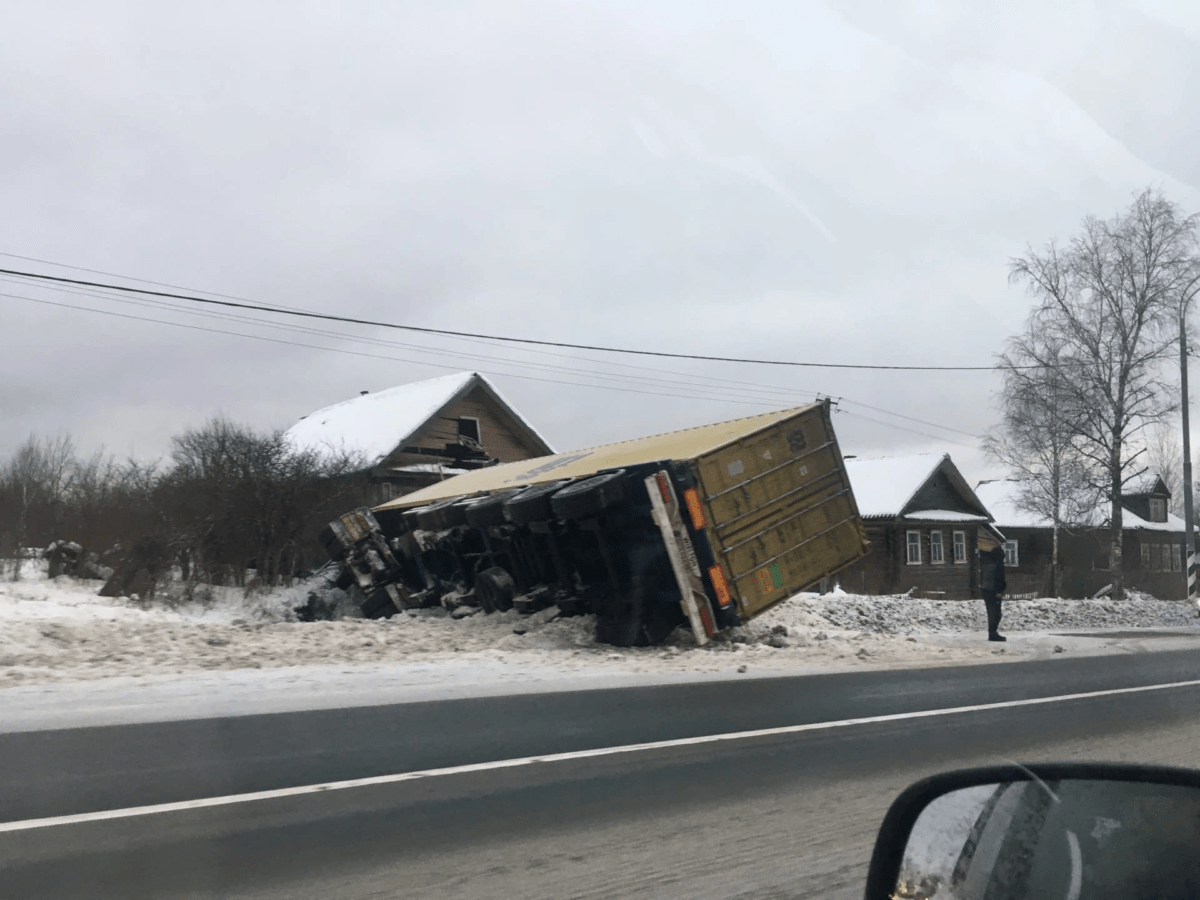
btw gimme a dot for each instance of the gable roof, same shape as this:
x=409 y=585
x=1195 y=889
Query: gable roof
x=886 y=486
x=378 y=423
x=1146 y=484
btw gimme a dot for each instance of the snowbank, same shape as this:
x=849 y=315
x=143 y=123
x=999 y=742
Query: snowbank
x=61 y=630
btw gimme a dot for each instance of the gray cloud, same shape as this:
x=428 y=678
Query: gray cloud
x=790 y=180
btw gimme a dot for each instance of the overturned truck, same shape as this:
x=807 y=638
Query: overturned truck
x=709 y=526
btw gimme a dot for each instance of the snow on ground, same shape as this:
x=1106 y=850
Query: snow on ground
x=62 y=631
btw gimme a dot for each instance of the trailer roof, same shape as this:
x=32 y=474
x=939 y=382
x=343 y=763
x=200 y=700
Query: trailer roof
x=685 y=444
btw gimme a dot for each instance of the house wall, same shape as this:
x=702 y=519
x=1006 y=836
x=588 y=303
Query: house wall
x=939 y=493
x=886 y=570
x=1083 y=557
x=496 y=433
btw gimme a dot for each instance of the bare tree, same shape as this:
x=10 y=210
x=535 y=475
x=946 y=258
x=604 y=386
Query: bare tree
x=1038 y=438
x=1111 y=301
x=32 y=492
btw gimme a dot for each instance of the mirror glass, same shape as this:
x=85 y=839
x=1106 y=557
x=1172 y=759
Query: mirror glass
x=1074 y=839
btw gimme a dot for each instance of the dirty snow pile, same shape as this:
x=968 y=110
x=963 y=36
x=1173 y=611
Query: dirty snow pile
x=62 y=630
x=908 y=615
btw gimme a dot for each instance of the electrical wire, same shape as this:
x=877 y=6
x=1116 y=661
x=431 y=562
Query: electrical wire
x=376 y=324
x=716 y=384
x=767 y=393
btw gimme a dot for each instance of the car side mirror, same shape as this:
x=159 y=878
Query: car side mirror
x=1071 y=831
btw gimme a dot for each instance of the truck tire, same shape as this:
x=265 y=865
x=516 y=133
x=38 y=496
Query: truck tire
x=533 y=503
x=345 y=578
x=588 y=497
x=489 y=511
x=379 y=606
x=495 y=589
x=436 y=517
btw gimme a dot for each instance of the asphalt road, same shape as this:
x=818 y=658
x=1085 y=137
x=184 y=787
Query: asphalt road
x=770 y=817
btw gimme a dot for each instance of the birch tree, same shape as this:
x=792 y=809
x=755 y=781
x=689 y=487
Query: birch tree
x=1110 y=302
x=1038 y=439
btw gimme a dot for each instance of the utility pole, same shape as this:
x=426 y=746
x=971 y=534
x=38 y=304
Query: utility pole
x=1189 y=538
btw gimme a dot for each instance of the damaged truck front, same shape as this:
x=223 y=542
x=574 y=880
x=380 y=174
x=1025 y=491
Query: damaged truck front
x=708 y=526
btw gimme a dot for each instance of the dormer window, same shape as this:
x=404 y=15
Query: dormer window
x=1158 y=509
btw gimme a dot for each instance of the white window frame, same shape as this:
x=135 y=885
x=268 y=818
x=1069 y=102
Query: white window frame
x=960 y=543
x=909 y=543
x=1012 y=555
x=937 y=550
x=1158 y=509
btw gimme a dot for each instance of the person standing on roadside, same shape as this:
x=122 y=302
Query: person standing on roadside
x=992 y=584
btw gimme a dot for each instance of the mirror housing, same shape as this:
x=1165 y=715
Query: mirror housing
x=1101 y=780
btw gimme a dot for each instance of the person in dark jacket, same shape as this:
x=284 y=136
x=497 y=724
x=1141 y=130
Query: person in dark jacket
x=992 y=584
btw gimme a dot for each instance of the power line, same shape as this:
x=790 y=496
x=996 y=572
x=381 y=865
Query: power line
x=718 y=384
x=259 y=337
x=767 y=392
x=622 y=389
x=903 y=428
x=375 y=324
x=768 y=395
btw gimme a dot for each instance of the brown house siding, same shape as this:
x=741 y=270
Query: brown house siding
x=886 y=570
x=1083 y=557
x=497 y=435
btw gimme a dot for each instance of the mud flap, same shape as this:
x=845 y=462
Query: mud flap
x=664 y=506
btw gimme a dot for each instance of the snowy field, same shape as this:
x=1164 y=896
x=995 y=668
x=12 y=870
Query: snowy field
x=62 y=631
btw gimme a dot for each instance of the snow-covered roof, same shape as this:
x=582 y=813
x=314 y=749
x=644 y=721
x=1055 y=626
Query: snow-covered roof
x=1146 y=483
x=428 y=469
x=1000 y=497
x=884 y=485
x=376 y=424
x=943 y=515
x=1131 y=520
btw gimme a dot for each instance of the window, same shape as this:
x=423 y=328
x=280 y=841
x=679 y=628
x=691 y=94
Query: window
x=469 y=428
x=1145 y=556
x=1158 y=509
x=935 y=548
x=1011 y=558
x=914 y=548
x=1176 y=558
x=960 y=546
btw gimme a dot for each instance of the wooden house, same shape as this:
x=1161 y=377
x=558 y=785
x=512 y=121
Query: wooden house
x=1152 y=543
x=416 y=434
x=923 y=522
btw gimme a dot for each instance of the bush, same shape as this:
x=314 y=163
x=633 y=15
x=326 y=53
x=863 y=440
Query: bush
x=229 y=505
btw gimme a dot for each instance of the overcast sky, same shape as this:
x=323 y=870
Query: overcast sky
x=836 y=182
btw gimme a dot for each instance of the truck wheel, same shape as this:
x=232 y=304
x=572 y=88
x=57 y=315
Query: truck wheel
x=434 y=518
x=489 y=511
x=533 y=503
x=379 y=606
x=345 y=578
x=586 y=498
x=495 y=590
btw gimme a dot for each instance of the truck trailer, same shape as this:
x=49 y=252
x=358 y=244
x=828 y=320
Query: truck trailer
x=708 y=527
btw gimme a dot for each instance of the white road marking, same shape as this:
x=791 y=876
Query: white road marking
x=185 y=805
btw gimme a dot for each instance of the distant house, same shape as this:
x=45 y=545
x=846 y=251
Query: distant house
x=1152 y=546
x=923 y=522
x=416 y=434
